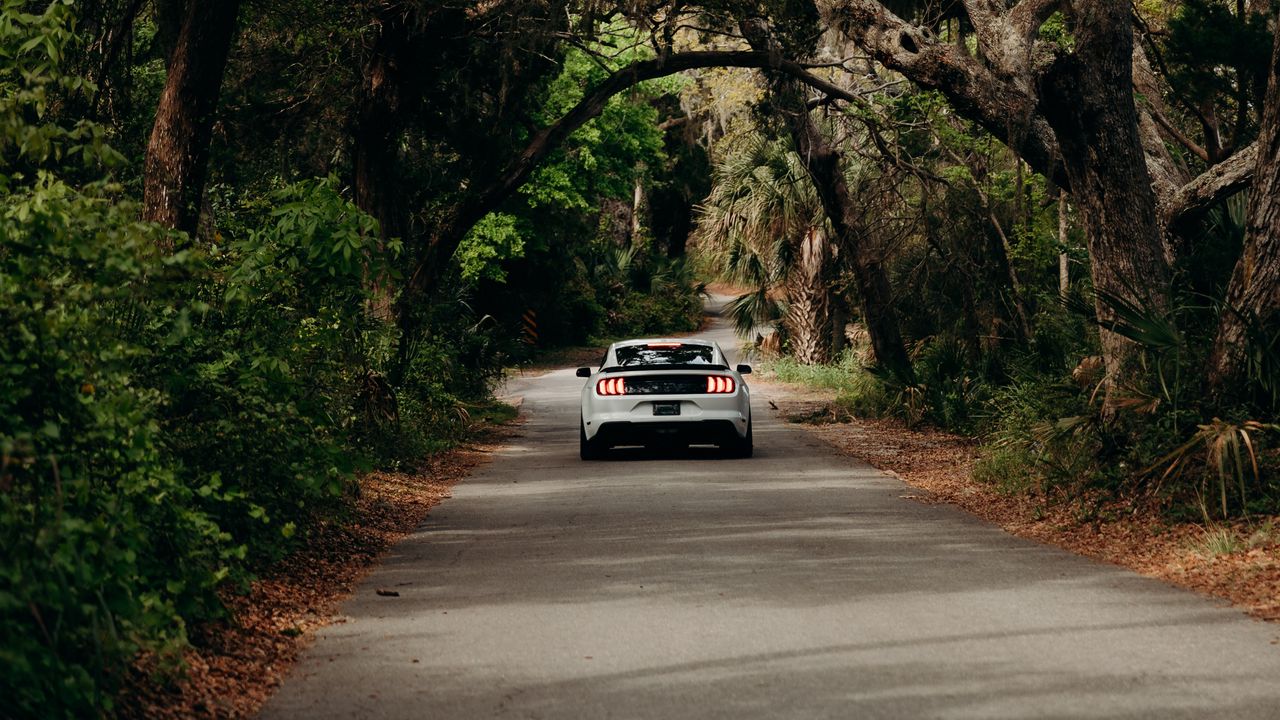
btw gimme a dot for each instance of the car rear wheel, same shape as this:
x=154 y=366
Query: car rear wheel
x=741 y=447
x=588 y=449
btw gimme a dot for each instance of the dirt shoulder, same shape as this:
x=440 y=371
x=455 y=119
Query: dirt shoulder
x=235 y=665
x=1239 y=563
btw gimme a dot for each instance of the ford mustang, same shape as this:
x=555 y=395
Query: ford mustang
x=665 y=393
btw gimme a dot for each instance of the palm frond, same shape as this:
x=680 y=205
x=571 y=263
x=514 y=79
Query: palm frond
x=751 y=310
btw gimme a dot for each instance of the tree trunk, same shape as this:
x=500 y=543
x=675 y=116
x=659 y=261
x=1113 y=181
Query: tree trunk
x=1064 y=269
x=375 y=132
x=808 y=306
x=375 y=139
x=823 y=164
x=1007 y=101
x=178 y=152
x=1089 y=102
x=839 y=318
x=169 y=16
x=1253 y=294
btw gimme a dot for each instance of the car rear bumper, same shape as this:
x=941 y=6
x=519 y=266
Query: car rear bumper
x=640 y=410
x=658 y=431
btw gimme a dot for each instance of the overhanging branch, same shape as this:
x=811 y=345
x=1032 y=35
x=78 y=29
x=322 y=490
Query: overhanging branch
x=1002 y=108
x=545 y=141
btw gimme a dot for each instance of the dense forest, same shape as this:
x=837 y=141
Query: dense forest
x=252 y=250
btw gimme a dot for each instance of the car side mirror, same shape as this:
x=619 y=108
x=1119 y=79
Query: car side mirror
x=744 y=369
x=584 y=372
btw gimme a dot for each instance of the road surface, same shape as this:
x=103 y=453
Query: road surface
x=796 y=584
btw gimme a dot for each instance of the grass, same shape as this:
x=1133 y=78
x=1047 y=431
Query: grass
x=493 y=412
x=1218 y=541
x=1009 y=469
x=858 y=392
x=841 y=377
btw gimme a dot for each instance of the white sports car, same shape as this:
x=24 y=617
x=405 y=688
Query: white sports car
x=665 y=393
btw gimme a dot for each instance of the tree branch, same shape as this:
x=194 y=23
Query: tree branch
x=1211 y=187
x=1002 y=108
x=1178 y=135
x=1028 y=15
x=505 y=183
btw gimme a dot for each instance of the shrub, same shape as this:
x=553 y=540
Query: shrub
x=107 y=550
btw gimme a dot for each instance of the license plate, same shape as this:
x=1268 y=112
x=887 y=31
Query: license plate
x=666 y=408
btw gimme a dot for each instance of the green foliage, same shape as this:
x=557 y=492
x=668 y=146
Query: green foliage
x=493 y=240
x=106 y=548
x=1212 y=51
x=106 y=552
x=166 y=422
x=604 y=157
x=761 y=203
x=33 y=48
x=640 y=314
x=646 y=294
x=1011 y=469
x=260 y=393
x=1227 y=452
x=171 y=420
x=859 y=392
x=565 y=250
x=1035 y=437
x=455 y=364
x=1053 y=436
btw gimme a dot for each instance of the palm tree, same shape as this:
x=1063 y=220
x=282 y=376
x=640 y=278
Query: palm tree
x=765 y=224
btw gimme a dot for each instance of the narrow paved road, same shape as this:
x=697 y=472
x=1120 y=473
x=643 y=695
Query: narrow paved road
x=794 y=584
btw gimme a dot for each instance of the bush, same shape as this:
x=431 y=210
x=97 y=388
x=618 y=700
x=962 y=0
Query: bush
x=260 y=392
x=107 y=550
x=168 y=423
x=451 y=372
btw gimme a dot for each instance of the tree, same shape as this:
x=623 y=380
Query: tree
x=1089 y=103
x=1069 y=112
x=379 y=119
x=178 y=152
x=438 y=245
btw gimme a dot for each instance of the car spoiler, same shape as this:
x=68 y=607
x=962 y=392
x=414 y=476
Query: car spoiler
x=682 y=366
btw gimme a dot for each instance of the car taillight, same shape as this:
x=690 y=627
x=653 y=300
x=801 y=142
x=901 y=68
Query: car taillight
x=720 y=384
x=611 y=386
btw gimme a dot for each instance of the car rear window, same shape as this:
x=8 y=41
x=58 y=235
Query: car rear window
x=664 y=354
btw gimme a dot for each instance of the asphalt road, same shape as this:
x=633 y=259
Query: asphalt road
x=795 y=584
